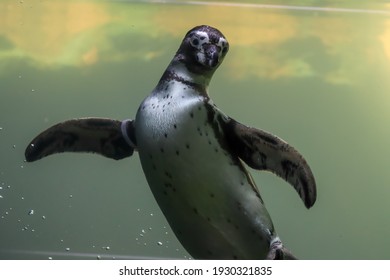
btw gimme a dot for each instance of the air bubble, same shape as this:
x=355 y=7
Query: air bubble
x=67 y=249
x=43 y=217
x=31 y=212
x=159 y=243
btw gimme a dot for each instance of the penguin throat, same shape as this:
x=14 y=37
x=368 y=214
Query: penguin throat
x=179 y=74
x=185 y=71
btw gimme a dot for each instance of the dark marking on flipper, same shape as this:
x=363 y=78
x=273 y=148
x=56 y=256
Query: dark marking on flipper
x=264 y=151
x=96 y=135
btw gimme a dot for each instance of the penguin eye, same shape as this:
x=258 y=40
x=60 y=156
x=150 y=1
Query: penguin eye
x=224 y=46
x=195 y=42
x=224 y=49
x=198 y=39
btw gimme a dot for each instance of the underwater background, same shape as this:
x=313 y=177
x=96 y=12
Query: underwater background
x=316 y=76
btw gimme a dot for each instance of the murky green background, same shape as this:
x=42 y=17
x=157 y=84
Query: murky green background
x=319 y=79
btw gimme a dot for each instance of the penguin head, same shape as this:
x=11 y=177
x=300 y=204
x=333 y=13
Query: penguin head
x=203 y=49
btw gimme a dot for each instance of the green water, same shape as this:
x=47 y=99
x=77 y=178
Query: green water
x=318 y=79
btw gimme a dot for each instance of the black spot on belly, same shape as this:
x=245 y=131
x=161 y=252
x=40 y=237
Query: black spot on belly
x=188 y=146
x=195 y=210
x=212 y=195
x=165 y=135
x=174 y=126
x=162 y=150
x=177 y=152
x=235 y=257
x=192 y=115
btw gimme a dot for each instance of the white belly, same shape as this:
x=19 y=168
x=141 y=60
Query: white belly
x=204 y=192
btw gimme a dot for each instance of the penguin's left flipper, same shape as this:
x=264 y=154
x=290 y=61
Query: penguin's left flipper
x=106 y=137
x=263 y=151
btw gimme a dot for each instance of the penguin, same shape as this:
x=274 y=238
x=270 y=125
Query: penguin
x=195 y=157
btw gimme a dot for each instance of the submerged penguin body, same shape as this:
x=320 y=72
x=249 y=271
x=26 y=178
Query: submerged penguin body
x=193 y=157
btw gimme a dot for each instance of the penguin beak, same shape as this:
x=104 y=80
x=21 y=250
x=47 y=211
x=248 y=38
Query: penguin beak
x=212 y=55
